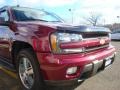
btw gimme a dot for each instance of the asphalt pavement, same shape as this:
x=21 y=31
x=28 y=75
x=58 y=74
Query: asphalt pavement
x=109 y=79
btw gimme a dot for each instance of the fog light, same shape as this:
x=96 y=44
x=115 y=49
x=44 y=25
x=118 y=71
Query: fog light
x=74 y=50
x=71 y=70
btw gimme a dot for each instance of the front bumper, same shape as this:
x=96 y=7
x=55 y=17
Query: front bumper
x=54 y=66
x=88 y=71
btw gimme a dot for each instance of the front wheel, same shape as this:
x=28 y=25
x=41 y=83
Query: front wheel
x=29 y=71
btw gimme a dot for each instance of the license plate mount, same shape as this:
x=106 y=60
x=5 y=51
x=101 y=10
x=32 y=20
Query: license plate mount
x=108 y=62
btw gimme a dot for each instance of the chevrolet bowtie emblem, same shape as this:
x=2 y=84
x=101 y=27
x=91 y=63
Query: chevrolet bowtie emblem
x=102 y=41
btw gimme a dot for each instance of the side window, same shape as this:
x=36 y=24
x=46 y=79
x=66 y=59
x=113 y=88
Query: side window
x=3 y=29
x=4 y=14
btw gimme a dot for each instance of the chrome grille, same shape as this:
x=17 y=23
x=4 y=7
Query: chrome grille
x=94 y=35
x=90 y=36
x=88 y=49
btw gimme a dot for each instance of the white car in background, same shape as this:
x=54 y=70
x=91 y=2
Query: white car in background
x=115 y=35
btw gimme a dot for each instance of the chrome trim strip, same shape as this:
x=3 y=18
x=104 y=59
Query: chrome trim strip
x=95 y=48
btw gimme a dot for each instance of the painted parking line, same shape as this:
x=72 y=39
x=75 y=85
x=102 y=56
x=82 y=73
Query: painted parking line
x=9 y=72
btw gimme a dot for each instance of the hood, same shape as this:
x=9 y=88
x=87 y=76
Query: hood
x=83 y=29
x=64 y=27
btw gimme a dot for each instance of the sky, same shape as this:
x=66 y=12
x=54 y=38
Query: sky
x=80 y=9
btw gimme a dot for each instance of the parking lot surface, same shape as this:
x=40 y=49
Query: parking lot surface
x=109 y=79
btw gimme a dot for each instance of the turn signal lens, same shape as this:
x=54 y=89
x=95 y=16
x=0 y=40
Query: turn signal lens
x=54 y=42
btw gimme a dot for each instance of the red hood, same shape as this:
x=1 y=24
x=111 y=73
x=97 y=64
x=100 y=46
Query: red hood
x=67 y=27
x=50 y=24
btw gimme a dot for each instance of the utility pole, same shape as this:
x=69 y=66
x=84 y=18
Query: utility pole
x=118 y=17
x=104 y=21
x=17 y=2
x=72 y=14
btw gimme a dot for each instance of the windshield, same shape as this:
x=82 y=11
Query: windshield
x=28 y=14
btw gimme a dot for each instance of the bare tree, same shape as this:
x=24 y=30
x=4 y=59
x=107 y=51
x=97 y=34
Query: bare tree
x=93 y=18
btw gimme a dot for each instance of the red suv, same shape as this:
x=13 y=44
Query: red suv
x=42 y=49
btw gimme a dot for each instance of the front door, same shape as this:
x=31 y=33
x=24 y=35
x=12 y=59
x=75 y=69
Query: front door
x=5 y=37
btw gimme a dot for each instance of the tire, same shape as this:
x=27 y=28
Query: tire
x=28 y=69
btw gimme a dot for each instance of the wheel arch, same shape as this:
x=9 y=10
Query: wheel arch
x=17 y=46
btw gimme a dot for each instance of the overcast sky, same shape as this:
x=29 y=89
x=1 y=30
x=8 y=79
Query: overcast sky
x=109 y=9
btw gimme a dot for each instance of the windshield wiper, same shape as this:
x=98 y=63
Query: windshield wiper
x=41 y=20
x=54 y=21
x=35 y=20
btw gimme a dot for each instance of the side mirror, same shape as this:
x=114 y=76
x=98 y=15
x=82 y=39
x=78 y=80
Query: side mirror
x=3 y=22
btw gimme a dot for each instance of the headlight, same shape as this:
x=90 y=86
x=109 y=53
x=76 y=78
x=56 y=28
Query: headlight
x=58 y=38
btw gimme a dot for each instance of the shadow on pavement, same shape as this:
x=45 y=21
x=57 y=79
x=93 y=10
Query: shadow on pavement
x=64 y=87
x=9 y=83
